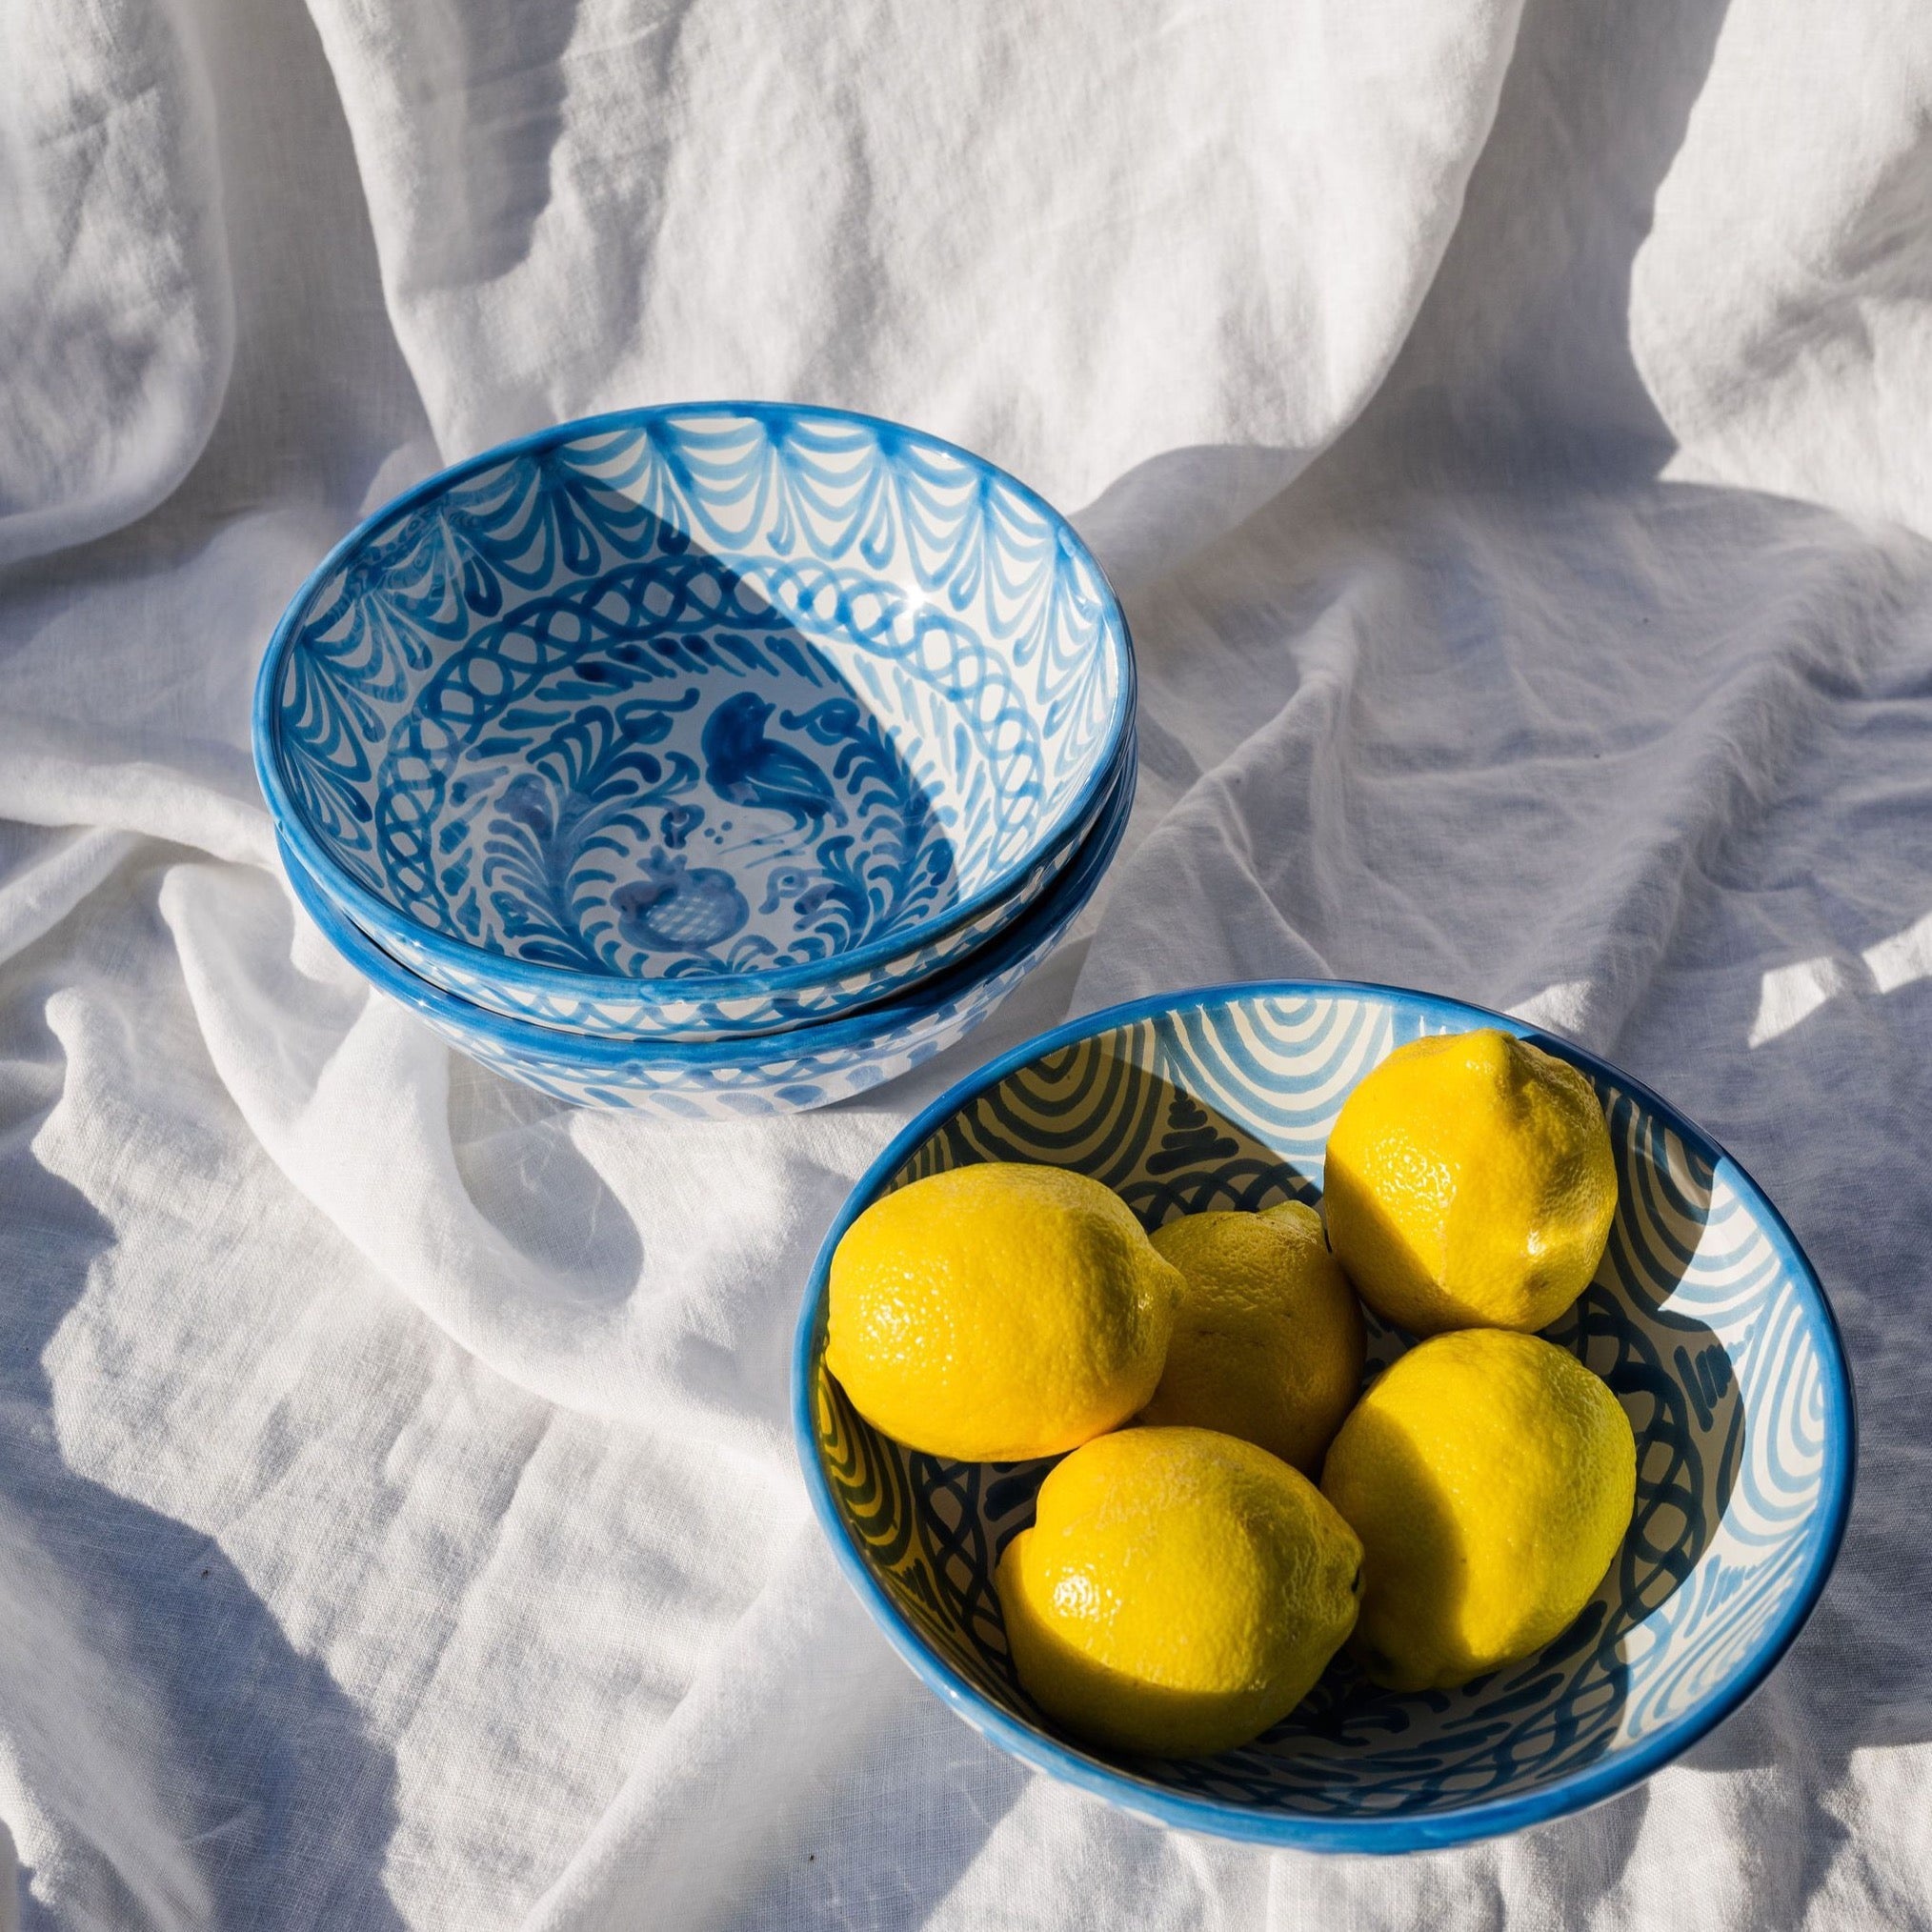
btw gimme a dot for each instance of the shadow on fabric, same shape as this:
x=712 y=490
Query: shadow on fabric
x=274 y=1786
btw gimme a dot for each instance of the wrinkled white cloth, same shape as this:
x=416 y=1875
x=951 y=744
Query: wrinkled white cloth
x=1509 y=436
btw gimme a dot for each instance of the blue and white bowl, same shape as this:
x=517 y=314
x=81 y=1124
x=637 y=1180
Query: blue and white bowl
x=808 y=1066
x=1704 y=1317
x=705 y=719
x=686 y=1020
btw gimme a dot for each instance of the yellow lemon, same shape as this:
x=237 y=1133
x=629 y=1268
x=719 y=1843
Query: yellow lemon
x=1470 y=1184
x=1268 y=1339
x=1490 y=1477
x=1178 y=1592
x=999 y=1312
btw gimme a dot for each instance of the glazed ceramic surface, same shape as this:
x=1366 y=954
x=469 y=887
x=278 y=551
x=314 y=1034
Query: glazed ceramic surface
x=1705 y=1319
x=685 y=1018
x=807 y=1067
x=758 y=711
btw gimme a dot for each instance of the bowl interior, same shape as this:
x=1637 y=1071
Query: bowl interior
x=1704 y=1318
x=884 y=1023
x=695 y=692
x=706 y=1010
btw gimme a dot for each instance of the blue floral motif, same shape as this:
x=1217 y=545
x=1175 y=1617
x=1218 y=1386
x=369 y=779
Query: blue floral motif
x=570 y=760
x=811 y=1065
x=580 y=791
x=906 y=685
x=1703 y=1319
x=701 y=1015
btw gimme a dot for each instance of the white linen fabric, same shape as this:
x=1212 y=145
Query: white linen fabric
x=1509 y=435
x=115 y=321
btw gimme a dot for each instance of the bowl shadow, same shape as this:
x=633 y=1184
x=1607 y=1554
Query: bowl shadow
x=654 y=760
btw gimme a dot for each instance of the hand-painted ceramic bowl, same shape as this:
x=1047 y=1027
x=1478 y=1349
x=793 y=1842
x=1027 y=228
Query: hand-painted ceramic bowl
x=702 y=719
x=809 y=1066
x=711 y=1020
x=1704 y=1317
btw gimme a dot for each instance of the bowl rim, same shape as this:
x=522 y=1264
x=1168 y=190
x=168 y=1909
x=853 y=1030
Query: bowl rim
x=881 y=1023
x=377 y=915
x=1570 y=1792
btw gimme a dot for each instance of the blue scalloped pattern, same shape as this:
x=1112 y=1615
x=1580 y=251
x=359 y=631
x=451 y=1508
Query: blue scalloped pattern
x=1692 y=1320
x=700 y=697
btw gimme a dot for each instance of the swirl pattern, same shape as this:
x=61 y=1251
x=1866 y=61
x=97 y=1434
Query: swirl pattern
x=784 y=1073
x=766 y=711
x=1703 y=1318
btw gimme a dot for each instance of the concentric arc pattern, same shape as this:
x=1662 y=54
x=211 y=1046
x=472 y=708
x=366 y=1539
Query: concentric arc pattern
x=1694 y=1320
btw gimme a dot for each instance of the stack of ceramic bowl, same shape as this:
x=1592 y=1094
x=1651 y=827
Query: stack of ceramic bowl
x=713 y=760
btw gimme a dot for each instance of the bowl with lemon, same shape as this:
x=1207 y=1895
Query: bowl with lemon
x=1324 y=1415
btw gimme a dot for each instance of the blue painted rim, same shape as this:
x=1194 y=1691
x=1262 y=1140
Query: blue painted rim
x=596 y=1053
x=377 y=915
x=1572 y=1792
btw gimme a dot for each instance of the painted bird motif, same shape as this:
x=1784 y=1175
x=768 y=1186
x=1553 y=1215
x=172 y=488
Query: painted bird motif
x=742 y=764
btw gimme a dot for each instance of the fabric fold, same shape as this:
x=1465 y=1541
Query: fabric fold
x=116 y=316
x=1074 y=251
